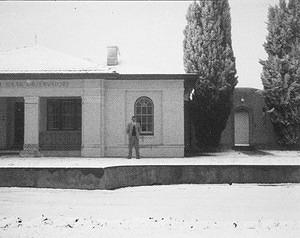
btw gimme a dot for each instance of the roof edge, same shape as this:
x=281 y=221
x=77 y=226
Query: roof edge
x=94 y=75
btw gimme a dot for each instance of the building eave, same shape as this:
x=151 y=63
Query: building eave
x=55 y=76
x=93 y=75
x=157 y=76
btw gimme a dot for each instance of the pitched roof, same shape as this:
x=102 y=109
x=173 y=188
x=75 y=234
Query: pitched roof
x=38 y=59
x=142 y=61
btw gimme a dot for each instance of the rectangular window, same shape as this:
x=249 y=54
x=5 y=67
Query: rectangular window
x=64 y=114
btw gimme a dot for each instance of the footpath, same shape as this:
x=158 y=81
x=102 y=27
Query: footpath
x=261 y=157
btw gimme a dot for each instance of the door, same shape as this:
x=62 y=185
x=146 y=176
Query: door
x=241 y=128
x=19 y=125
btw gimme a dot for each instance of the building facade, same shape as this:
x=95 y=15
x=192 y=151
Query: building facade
x=84 y=111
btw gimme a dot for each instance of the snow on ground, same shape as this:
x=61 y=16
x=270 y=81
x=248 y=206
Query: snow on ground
x=221 y=158
x=247 y=210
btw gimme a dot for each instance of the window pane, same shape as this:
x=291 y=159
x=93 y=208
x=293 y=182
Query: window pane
x=149 y=110
x=144 y=110
x=78 y=115
x=53 y=111
x=143 y=119
x=68 y=115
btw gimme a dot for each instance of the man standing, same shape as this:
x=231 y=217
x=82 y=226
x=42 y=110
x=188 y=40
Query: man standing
x=133 y=130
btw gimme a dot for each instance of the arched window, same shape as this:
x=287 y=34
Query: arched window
x=144 y=112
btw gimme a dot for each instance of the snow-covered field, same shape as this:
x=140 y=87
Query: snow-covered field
x=156 y=211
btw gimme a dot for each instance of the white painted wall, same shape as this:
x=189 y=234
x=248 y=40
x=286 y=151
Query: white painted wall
x=167 y=97
x=173 y=116
x=107 y=108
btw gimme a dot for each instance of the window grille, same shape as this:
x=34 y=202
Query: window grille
x=144 y=112
x=63 y=114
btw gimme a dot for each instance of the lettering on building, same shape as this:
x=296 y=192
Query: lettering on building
x=34 y=84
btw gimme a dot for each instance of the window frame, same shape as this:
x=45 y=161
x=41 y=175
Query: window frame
x=77 y=120
x=151 y=115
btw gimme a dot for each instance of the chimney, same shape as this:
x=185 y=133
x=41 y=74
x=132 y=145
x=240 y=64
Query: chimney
x=112 y=55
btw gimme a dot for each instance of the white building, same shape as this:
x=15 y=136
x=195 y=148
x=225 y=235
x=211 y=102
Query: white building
x=55 y=105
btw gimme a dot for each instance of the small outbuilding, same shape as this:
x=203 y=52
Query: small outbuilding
x=249 y=124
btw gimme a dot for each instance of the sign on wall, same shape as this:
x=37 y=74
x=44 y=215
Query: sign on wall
x=34 y=84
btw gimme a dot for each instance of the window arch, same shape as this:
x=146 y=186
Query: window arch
x=144 y=112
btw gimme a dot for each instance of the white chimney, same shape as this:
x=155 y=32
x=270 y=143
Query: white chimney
x=112 y=55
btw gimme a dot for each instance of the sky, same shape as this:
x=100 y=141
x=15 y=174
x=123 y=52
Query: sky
x=151 y=30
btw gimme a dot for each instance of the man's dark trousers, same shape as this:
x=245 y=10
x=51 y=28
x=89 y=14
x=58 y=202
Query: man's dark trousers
x=134 y=142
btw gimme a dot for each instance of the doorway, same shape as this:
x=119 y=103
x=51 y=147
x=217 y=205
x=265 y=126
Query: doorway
x=241 y=128
x=19 y=125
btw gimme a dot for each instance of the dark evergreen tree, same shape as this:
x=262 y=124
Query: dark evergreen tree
x=281 y=70
x=208 y=52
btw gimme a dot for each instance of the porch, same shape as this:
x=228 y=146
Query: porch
x=59 y=125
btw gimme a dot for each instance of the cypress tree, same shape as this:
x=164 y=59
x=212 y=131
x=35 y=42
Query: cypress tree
x=281 y=70
x=208 y=52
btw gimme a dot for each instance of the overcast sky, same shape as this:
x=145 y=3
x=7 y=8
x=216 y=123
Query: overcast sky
x=151 y=29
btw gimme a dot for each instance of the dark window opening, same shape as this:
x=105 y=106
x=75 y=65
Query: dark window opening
x=63 y=114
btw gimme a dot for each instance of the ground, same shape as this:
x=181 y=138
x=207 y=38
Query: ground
x=256 y=157
x=177 y=211
x=248 y=210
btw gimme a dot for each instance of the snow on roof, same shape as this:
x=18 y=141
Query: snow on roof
x=141 y=67
x=38 y=59
x=142 y=61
